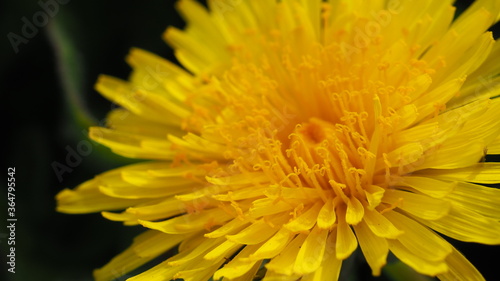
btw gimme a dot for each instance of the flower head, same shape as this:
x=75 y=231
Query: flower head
x=300 y=130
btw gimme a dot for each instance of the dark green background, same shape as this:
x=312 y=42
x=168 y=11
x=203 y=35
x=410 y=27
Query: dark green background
x=56 y=69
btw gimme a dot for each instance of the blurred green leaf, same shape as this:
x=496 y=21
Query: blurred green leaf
x=71 y=71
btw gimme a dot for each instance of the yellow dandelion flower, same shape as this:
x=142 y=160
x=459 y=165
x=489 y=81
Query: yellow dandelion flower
x=299 y=130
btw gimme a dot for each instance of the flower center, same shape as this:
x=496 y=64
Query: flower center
x=329 y=158
x=334 y=160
